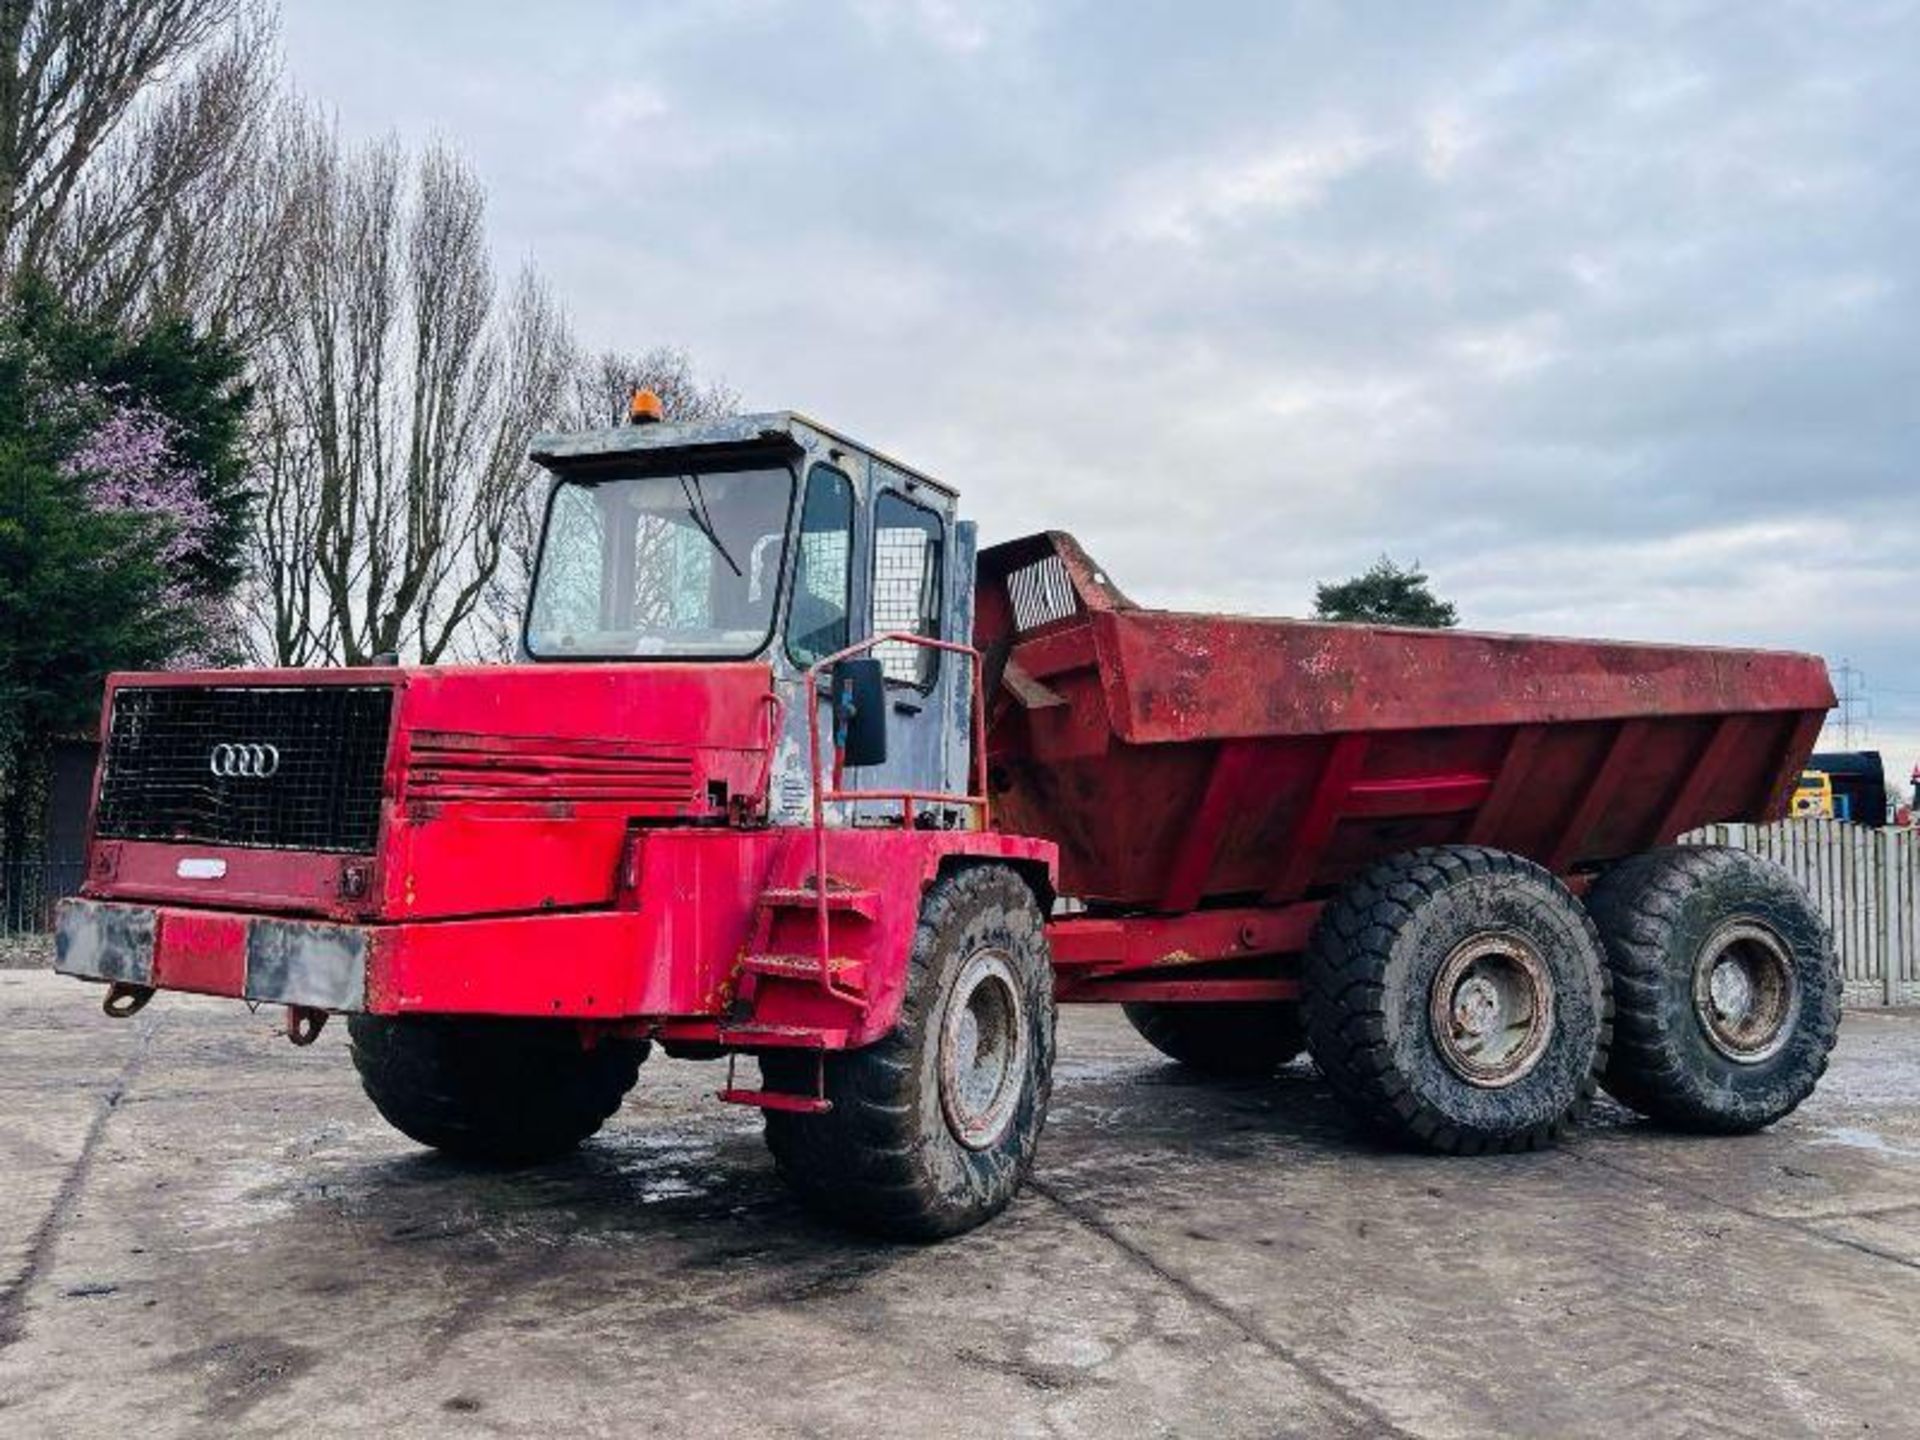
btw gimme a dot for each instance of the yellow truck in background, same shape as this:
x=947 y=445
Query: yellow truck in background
x=1813 y=796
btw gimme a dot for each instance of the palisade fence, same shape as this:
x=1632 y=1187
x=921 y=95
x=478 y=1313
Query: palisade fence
x=1865 y=882
x=29 y=891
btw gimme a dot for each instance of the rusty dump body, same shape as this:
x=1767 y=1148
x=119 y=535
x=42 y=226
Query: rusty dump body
x=1182 y=761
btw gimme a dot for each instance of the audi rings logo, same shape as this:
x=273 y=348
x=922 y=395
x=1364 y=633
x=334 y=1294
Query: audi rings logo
x=251 y=762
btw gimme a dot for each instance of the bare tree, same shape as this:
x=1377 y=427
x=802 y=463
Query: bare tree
x=603 y=384
x=150 y=167
x=396 y=396
x=179 y=215
x=128 y=131
x=281 y=601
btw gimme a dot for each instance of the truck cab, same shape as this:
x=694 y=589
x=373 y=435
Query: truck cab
x=772 y=540
x=732 y=803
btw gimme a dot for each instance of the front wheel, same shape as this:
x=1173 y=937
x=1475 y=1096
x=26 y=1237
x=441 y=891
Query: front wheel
x=507 y=1092
x=934 y=1127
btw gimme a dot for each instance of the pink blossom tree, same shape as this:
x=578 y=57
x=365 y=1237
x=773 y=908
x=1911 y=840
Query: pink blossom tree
x=129 y=466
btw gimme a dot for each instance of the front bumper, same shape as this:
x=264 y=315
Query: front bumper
x=281 y=962
x=583 y=965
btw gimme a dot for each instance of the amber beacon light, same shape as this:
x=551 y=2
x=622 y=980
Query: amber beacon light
x=644 y=408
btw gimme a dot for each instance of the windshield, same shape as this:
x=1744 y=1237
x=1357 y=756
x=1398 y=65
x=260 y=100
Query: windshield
x=674 y=565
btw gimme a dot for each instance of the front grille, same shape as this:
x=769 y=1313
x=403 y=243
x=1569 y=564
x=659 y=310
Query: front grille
x=447 y=765
x=189 y=763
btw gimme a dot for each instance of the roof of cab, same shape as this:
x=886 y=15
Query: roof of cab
x=555 y=449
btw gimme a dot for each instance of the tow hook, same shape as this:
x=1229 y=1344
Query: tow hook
x=304 y=1024
x=123 y=1000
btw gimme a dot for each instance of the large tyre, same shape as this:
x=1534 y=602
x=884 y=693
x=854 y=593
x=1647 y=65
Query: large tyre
x=934 y=1127
x=1237 y=1038
x=1726 y=986
x=1457 y=999
x=508 y=1092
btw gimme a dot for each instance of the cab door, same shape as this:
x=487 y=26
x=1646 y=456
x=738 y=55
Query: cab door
x=909 y=558
x=822 y=609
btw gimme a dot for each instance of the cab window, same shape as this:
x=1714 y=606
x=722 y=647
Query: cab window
x=908 y=546
x=823 y=570
x=673 y=566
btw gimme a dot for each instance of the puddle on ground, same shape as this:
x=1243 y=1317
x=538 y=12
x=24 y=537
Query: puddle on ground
x=1080 y=1071
x=235 y=1195
x=667 y=1164
x=1871 y=1140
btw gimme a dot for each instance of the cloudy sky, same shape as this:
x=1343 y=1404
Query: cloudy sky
x=1608 y=314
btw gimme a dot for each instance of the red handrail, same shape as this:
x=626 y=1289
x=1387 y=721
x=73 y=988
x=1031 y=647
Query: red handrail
x=976 y=798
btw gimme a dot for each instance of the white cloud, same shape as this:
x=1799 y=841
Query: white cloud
x=1183 y=200
x=622 y=108
x=1449 y=137
x=960 y=26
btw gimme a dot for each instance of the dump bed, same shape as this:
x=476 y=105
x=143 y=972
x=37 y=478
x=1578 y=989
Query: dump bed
x=1178 y=759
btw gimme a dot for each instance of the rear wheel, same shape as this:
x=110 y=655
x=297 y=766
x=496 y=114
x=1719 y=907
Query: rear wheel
x=1241 y=1038
x=1727 y=986
x=1456 y=998
x=934 y=1127
x=508 y=1092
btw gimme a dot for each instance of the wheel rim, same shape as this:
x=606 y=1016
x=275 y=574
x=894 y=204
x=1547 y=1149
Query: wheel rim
x=1745 y=992
x=983 y=1050
x=1492 y=1010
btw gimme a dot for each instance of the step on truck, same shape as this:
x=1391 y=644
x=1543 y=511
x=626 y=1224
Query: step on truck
x=791 y=776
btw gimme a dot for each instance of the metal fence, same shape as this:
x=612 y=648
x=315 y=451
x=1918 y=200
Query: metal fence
x=28 y=891
x=1865 y=882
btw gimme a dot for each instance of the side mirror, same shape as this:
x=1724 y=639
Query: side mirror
x=860 y=711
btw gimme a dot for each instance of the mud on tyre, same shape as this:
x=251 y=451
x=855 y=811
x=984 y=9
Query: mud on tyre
x=1457 y=999
x=1237 y=1038
x=507 y=1092
x=934 y=1127
x=1726 y=987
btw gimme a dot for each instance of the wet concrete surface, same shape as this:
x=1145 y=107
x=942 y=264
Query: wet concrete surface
x=205 y=1231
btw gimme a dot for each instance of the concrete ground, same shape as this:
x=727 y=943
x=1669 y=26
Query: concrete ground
x=206 y=1231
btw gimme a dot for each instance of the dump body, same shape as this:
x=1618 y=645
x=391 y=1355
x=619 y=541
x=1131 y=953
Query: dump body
x=1181 y=760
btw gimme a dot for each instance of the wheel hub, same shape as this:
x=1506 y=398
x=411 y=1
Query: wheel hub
x=1476 y=1008
x=1746 y=992
x=1491 y=1009
x=983 y=1050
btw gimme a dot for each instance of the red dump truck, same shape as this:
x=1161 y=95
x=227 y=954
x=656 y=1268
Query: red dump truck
x=791 y=773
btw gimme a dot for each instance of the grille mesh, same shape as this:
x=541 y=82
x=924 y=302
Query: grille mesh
x=451 y=766
x=1041 y=593
x=324 y=794
x=906 y=588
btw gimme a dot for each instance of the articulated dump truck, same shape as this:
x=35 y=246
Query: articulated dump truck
x=791 y=773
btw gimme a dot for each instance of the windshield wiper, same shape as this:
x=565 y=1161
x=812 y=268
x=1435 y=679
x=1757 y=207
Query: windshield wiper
x=697 y=508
